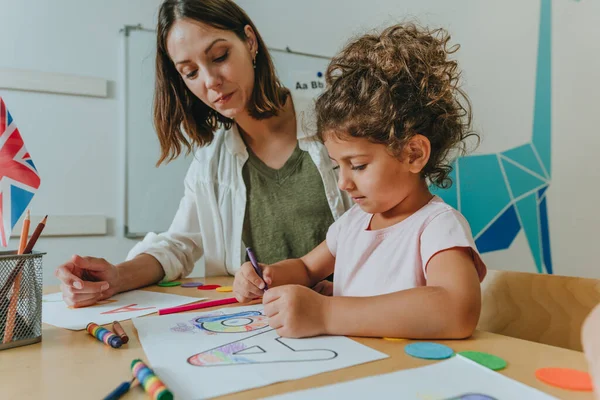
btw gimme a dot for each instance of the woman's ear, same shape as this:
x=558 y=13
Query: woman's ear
x=251 y=39
x=418 y=151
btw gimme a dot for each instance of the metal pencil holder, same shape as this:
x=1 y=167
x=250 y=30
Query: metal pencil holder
x=26 y=322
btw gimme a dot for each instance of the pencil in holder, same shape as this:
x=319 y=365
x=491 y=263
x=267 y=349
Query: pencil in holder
x=20 y=299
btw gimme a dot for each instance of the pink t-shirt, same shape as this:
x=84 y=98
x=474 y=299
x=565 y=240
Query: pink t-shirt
x=375 y=262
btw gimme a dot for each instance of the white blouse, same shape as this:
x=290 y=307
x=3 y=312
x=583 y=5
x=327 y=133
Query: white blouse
x=211 y=213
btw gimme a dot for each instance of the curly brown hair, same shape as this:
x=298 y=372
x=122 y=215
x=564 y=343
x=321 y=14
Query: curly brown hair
x=176 y=108
x=391 y=86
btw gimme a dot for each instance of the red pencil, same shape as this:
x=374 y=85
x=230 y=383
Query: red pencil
x=196 y=306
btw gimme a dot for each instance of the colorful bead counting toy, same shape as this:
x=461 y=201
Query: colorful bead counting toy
x=152 y=385
x=104 y=335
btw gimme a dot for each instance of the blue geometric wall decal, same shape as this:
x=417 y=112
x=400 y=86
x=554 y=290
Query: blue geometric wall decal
x=528 y=212
x=482 y=194
x=450 y=194
x=546 y=253
x=501 y=233
x=525 y=156
x=483 y=189
x=520 y=181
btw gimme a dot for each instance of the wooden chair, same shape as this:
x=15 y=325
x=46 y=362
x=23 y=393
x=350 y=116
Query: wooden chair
x=541 y=308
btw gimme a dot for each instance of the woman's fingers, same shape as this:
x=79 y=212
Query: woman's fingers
x=78 y=299
x=65 y=274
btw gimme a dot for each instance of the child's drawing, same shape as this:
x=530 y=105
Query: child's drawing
x=128 y=308
x=220 y=322
x=264 y=347
x=240 y=341
x=119 y=307
x=233 y=323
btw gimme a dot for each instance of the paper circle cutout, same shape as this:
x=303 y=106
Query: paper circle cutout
x=487 y=360
x=192 y=284
x=565 y=378
x=208 y=287
x=428 y=350
x=169 y=284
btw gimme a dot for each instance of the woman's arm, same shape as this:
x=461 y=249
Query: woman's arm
x=141 y=271
x=169 y=255
x=447 y=308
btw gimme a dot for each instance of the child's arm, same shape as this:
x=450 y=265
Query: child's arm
x=305 y=271
x=448 y=307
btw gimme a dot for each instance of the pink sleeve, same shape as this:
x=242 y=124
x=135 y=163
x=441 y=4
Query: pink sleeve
x=446 y=231
x=334 y=231
x=332 y=236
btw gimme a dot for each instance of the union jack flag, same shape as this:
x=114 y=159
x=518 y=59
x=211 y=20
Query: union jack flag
x=19 y=179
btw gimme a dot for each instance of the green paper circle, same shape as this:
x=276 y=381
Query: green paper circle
x=487 y=360
x=169 y=284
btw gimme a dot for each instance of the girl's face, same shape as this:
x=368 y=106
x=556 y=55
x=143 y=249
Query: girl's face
x=376 y=180
x=214 y=64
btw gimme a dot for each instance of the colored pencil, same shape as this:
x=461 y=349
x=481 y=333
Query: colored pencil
x=197 y=306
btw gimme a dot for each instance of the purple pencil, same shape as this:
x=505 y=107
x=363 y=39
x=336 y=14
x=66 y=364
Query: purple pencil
x=254 y=263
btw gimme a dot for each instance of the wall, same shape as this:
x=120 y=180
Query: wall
x=498 y=54
x=74 y=140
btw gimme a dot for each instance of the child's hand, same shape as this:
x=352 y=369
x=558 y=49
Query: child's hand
x=272 y=275
x=324 y=287
x=296 y=311
x=247 y=285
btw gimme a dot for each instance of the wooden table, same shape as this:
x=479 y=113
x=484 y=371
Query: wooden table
x=73 y=365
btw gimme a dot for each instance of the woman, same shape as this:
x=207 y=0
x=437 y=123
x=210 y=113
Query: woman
x=257 y=179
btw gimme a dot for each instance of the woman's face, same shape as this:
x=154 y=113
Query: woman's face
x=215 y=64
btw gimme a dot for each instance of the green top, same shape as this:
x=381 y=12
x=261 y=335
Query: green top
x=287 y=214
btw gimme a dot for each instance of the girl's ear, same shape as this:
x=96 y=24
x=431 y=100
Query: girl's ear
x=418 y=151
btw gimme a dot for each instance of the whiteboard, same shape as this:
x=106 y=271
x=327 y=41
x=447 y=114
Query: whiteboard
x=152 y=194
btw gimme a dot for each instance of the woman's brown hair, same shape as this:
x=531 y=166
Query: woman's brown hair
x=176 y=109
x=391 y=86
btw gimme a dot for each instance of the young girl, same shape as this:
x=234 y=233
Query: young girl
x=405 y=262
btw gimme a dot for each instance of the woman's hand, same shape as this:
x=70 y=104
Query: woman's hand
x=87 y=280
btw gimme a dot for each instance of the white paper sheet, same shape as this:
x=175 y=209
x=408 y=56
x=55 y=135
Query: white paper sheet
x=457 y=378
x=118 y=308
x=200 y=355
